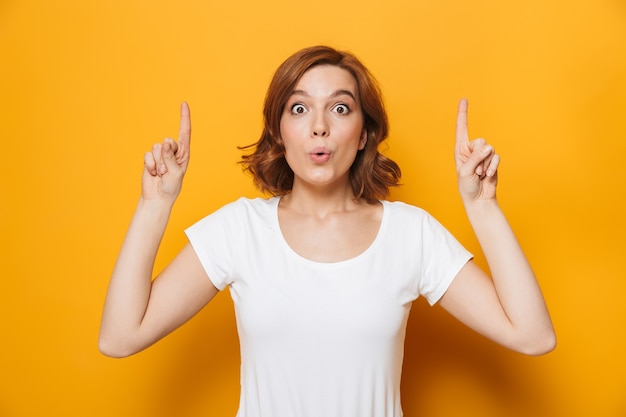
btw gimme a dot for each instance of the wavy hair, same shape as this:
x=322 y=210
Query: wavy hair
x=371 y=173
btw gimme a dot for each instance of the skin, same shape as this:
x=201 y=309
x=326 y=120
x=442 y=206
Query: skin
x=507 y=308
x=320 y=218
x=323 y=114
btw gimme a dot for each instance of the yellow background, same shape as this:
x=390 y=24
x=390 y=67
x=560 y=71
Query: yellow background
x=87 y=87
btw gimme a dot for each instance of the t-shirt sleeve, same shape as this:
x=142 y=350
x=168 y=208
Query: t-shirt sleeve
x=213 y=239
x=442 y=259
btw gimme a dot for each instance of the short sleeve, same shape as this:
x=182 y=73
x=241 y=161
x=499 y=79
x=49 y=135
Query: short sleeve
x=442 y=259
x=213 y=239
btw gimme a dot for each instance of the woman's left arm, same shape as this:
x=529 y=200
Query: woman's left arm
x=508 y=308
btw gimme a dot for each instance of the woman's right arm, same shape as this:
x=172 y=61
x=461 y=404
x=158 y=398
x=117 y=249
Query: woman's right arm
x=139 y=311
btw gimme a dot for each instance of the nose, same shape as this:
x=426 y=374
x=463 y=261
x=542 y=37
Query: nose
x=320 y=127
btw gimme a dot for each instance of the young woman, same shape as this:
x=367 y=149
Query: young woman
x=323 y=273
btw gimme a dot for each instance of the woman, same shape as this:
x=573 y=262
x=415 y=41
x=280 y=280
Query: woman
x=323 y=273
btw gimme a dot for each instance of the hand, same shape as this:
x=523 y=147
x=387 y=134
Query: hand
x=476 y=162
x=166 y=164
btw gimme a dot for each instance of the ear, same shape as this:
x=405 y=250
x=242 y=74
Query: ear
x=363 y=139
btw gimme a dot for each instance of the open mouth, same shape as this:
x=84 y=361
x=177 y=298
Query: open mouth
x=319 y=155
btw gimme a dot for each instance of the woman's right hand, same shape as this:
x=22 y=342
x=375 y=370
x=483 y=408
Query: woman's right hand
x=166 y=164
x=139 y=310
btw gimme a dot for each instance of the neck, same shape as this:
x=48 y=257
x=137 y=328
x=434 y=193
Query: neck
x=320 y=201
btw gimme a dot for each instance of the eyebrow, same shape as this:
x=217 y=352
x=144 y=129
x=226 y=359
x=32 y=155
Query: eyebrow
x=333 y=95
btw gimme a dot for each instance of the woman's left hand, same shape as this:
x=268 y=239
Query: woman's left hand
x=476 y=162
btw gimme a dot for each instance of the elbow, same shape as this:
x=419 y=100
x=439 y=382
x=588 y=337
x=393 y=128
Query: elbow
x=111 y=351
x=113 y=348
x=539 y=345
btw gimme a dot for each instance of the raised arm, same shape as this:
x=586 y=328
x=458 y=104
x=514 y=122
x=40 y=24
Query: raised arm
x=138 y=311
x=509 y=308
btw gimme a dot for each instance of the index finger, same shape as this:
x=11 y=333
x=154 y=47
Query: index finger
x=462 y=136
x=184 y=135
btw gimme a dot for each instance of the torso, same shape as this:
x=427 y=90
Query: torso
x=329 y=329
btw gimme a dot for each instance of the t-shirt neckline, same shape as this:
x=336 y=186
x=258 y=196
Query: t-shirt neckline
x=363 y=254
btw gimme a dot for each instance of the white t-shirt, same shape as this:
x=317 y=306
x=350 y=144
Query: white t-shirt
x=323 y=339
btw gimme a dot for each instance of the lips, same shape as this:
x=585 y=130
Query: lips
x=320 y=154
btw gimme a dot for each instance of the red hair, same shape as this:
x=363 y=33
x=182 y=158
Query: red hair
x=371 y=173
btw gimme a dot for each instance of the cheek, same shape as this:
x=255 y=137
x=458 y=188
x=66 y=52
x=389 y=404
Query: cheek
x=287 y=137
x=354 y=132
x=287 y=129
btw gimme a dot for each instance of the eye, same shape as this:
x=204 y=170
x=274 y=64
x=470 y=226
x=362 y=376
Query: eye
x=298 y=109
x=341 y=109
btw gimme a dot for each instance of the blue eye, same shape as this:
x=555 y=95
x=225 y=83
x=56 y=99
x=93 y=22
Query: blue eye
x=341 y=109
x=298 y=109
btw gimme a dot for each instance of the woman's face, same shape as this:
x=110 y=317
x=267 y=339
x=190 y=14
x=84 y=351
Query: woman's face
x=322 y=127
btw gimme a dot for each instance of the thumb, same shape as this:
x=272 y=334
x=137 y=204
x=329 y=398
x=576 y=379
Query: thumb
x=475 y=163
x=169 y=158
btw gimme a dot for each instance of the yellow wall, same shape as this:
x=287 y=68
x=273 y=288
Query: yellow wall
x=87 y=87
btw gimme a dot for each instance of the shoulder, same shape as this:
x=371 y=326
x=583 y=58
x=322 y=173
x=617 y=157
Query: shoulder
x=408 y=218
x=405 y=210
x=247 y=205
x=239 y=213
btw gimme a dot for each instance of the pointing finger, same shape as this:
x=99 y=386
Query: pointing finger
x=462 y=136
x=184 y=135
x=461 y=146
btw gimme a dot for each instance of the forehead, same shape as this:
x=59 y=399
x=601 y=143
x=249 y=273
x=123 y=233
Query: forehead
x=326 y=80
